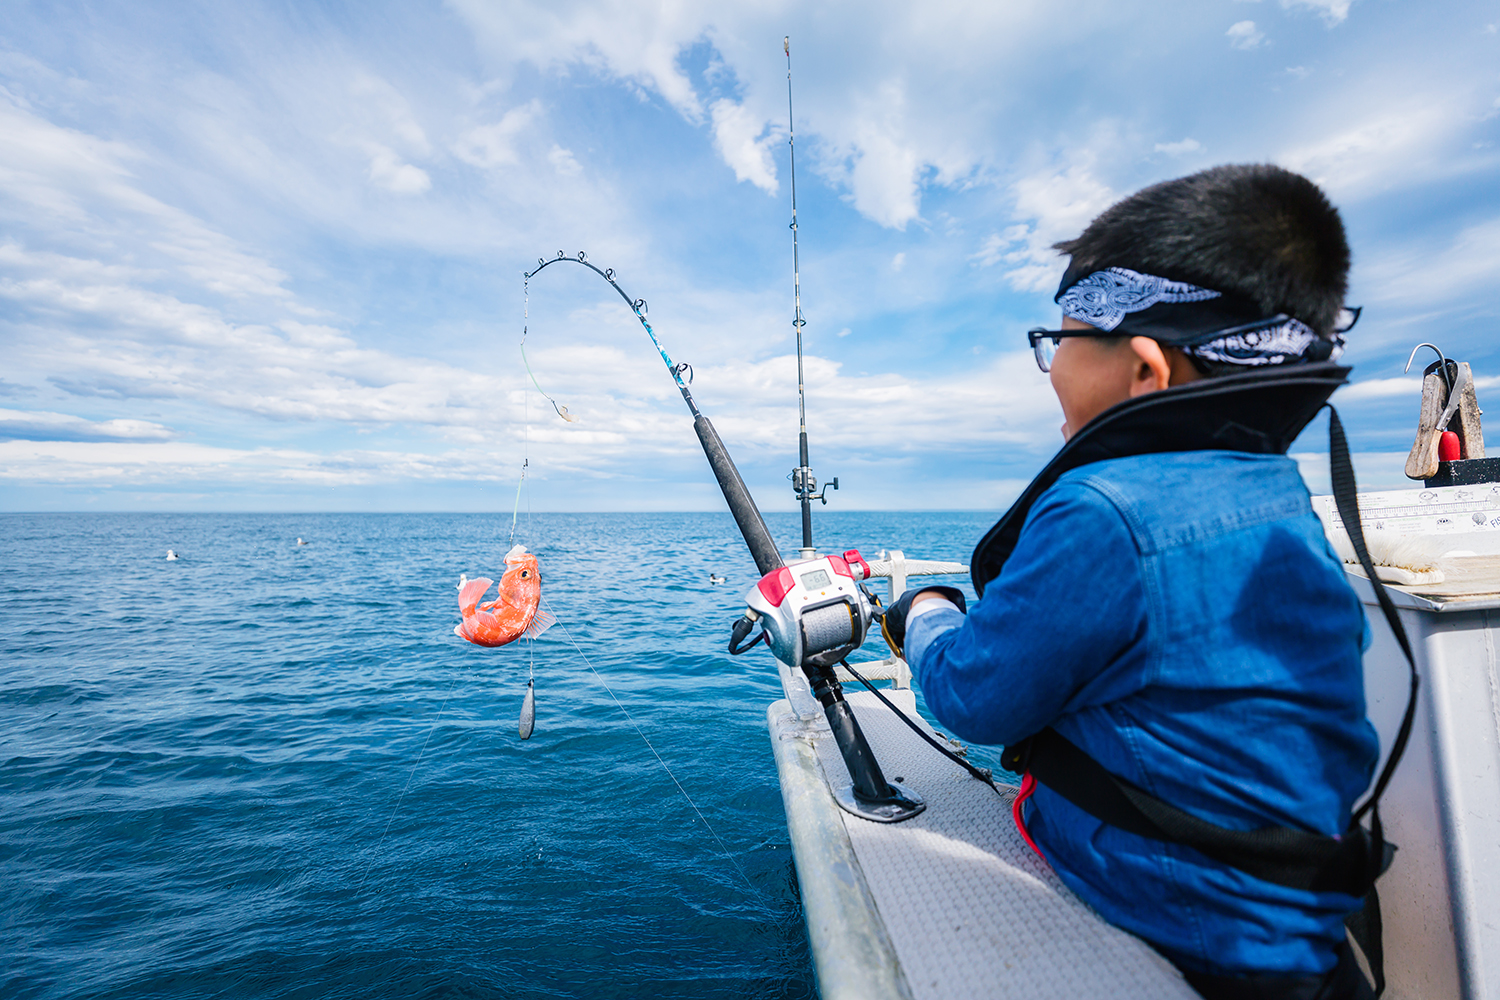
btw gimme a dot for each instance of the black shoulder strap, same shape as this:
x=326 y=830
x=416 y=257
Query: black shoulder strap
x=1283 y=855
x=1346 y=499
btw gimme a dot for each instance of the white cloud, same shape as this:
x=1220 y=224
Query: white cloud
x=156 y=267
x=1380 y=388
x=1421 y=275
x=1059 y=204
x=392 y=111
x=1374 y=470
x=739 y=139
x=1333 y=11
x=1244 y=35
x=1406 y=385
x=564 y=162
x=493 y=145
x=79 y=187
x=867 y=140
x=172 y=463
x=1300 y=72
x=388 y=171
x=40 y=425
x=1398 y=142
x=1179 y=148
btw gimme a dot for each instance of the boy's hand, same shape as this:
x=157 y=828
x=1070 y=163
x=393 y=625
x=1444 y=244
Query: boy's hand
x=893 y=621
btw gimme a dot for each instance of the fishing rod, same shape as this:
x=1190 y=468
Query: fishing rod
x=812 y=613
x=804 y=484
x=752 y=526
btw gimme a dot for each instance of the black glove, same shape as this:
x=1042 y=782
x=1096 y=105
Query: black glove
x=893 y=620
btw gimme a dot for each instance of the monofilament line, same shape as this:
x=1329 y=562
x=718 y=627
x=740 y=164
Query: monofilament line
x=704 y=819
x=409 y=777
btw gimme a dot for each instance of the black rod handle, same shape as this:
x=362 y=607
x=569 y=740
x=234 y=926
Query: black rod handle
x=752 y=526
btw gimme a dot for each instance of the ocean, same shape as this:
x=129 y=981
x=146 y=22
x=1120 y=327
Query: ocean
x=271 y=770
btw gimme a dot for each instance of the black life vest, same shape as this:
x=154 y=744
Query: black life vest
x=1259 y=412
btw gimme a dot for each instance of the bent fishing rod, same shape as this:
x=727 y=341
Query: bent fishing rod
x=752 y=526
x=813 y=613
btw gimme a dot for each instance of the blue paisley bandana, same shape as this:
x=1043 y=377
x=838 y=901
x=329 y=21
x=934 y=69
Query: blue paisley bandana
x=1206 y=324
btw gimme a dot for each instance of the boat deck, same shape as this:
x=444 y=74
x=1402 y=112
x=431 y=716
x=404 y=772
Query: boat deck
x=949 y=904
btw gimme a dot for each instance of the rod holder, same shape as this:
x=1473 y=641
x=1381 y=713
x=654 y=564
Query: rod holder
x=868 y=795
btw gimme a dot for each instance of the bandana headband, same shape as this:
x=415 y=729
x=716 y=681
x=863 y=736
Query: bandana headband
x=1208 y=325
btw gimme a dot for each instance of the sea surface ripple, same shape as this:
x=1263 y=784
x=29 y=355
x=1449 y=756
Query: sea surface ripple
x=271 y=770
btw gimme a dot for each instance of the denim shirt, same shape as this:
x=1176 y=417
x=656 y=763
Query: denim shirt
x=1182 y=619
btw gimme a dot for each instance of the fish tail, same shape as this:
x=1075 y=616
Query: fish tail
x=540 y=622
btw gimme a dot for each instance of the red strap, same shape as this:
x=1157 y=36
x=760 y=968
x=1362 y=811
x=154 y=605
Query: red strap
x=1028 y=785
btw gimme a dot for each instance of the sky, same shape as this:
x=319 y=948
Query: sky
x=268 y=256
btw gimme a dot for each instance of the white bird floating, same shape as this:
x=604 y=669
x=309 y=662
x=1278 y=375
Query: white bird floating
x=715 y=578
x=171 y=555
x=301 y=542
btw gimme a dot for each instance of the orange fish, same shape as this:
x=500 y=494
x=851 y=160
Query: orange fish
x=516 y=610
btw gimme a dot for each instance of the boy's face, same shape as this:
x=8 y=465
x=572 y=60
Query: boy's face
x=1091 y=374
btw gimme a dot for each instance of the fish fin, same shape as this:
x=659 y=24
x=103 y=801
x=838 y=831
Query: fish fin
x=540 y=622
x=472 y=592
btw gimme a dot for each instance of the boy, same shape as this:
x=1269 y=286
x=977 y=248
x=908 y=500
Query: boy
x=1163 y=599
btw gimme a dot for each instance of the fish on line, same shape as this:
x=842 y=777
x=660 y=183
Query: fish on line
x=516 y=610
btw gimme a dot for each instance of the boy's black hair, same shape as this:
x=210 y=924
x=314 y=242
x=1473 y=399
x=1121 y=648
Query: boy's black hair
x=1257 y=230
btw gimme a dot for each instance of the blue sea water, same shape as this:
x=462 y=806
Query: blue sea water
x=271 y=770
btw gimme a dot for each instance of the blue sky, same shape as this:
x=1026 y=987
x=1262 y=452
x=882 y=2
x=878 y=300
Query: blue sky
x=268 y=256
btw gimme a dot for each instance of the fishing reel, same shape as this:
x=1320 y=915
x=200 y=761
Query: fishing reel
x=805 y=485
x=812 y=612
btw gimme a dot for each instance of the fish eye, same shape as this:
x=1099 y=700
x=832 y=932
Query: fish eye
x=525 y=574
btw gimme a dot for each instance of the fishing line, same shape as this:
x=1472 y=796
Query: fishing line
x=982 y=773
x=722 y=846
x=517 y=508
x=562 y=411
x=409 y=777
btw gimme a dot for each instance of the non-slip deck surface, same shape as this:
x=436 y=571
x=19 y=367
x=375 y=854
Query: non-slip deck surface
x=972 y=912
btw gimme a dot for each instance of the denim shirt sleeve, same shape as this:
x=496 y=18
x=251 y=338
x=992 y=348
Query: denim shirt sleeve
x=920 y=633
x=1062 y=628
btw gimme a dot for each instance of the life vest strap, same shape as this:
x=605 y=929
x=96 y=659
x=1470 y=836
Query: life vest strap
x=1298 y=859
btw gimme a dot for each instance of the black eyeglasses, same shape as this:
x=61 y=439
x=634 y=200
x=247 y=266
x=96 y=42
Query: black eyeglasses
x=1044 y=342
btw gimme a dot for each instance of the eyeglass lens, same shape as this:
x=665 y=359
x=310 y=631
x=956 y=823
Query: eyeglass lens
x=1045 y=350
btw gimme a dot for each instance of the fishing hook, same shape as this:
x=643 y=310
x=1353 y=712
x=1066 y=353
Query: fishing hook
x=1443 y=365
